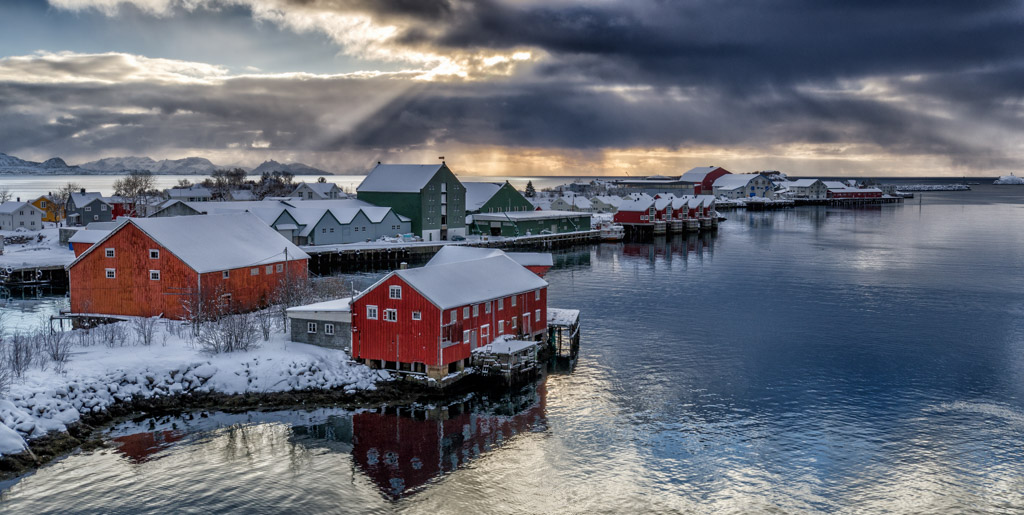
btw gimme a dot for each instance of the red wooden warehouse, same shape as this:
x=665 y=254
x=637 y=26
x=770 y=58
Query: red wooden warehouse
x=428 y=320
x=155 y=266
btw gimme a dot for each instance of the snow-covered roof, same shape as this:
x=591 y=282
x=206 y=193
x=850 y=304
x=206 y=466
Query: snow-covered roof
x=612 y=200
x=478 y=193
x=697 y=174
x=10 y=207
x=468 y=282
x=83 y=199
x=242 y=195
x=563 y=317
x=336 y=305
x=458 y=254
x=195 y=190
x=734 y=180
x=527 y=215
x=321 y=188
x=209 y=243
x=88 y=236
x=578 y=201
x=504 y=344
x=832 y=185
x=642 y=204
x=802 y=183
x=398 y=178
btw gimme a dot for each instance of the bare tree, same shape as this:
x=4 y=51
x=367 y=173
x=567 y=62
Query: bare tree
x=136 y=188
x=230 y=333
x=19 y=354
x=56 y=345
x=5 y=194
x=112 y=335
x=64 y=194
x=266 y=319
x=144 y=329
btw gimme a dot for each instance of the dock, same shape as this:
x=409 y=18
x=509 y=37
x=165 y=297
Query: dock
x=564 y=332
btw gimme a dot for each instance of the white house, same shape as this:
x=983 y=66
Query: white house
x=813 y=189
x=20 y=215
x=193 y=193
x=318 y=191
x=571 y=202
x=744 y=185
x=606 y=203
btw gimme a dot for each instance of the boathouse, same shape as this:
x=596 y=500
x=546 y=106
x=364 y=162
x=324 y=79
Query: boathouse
x=428 y=320
x=639 y=211
x=530 y=223
x=429 y=195
x=327 y=324
x=494 y=197
x=536 y=262
x=166 y=266
x=703 y=178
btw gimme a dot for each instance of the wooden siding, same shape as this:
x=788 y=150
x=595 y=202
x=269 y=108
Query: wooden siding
x=133 y=293
x=419 y=340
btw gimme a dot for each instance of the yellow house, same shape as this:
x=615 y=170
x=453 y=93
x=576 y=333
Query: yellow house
x=52 y=211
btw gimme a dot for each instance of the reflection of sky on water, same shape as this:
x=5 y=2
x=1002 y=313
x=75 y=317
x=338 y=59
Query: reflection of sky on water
x=805 y=360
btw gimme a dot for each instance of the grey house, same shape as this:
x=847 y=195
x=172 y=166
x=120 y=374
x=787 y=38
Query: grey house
x=318 y=226
x=327 y=324
x=84 y=208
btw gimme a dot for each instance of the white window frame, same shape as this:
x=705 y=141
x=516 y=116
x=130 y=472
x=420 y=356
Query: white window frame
x=476 y=310
x=501 y=304
x=226 y=274
x=154 y=275
x=536 y=294
x=329 y=329
x=417 y=315
x=395 y=292
x=280 y=268
x=154 y=253
x=514 y=300
x=390 y=315
x=465 y=336
x=88 y=209
x=311 y=327
x=254 y=271
x=111 y=273
x=465 y=313
x=536 y=315
x=487 y=307
x=453 y=316
x=371 y=312
x=501 y=327
x=109 y=252
x=269 y=270
x=514 y=323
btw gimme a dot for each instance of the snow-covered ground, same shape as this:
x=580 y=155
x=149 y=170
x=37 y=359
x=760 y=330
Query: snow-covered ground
x=47 y=252
x=1009 y=179
x=96 y=376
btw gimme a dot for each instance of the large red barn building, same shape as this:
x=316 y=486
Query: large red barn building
x=153 y=266
x=703 y=178
x=429 y=319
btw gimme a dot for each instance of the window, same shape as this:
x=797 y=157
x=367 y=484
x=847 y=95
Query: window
x=514 y=322
x=111 y=273
x=501 y=304
x=487 y=307
x=88 y=209
x=395 y=292
x=329 y=329
x=154 y=254
x=536 y=295
x=225 y=274
x=108 y=253
x=417 y=315
x=391 y=315
x=513 y=301
x=103 y=208
x=154 y=275
x=536 y=315
x=332 y=229
x=465 y=313
x=453 y=316
x=371 y=312
x=269 y=270
x=501 y=326
x=465 y=336
x=254 y=271
x=43 y=204
x=280 y=267
x=311 y=327
x=476 y=310
x=226 y=298
x=95 y=217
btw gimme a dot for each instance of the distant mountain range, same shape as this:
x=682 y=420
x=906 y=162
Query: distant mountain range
x=116 y=165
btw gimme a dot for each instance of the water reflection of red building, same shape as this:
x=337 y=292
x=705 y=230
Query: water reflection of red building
x=401 y=449
x=140 y=447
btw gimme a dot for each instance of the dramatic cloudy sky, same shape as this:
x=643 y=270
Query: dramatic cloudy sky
x=871 y=87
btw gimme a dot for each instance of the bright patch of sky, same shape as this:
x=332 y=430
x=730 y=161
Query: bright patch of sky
x=226 y=37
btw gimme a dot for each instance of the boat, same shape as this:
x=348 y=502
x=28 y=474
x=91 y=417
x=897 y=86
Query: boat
x=612 y=232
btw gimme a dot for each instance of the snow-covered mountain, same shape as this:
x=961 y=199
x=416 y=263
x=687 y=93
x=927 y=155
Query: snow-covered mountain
x=186 y=166
x=54 y=166
x=293 y=168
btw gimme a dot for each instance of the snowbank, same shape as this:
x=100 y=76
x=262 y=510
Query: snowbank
x=1009 y=179
x=97 y=376
x=48 y=252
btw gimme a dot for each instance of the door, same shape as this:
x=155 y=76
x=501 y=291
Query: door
x=472 y=339
x=485 y=334
x=526 y=324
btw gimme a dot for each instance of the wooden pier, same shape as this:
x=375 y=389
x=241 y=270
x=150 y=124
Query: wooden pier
x=27 y=276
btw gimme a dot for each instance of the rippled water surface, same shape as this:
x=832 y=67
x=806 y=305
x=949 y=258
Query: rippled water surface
x=809 y=360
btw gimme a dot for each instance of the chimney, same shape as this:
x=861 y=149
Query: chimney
x=403 y=266
x=18 y=199
x=82 y=190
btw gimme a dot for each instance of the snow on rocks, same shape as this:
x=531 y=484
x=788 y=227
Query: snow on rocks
x=1009 y=179
x=97 y=377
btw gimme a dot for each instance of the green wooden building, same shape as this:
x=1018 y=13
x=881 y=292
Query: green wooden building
x=429 y=195
x=494 y=197
x=530 y=223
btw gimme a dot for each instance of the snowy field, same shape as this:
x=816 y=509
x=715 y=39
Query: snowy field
x=110 y=364
x=45 y=251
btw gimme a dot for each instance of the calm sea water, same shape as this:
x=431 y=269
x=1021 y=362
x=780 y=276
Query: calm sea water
x=808 y=360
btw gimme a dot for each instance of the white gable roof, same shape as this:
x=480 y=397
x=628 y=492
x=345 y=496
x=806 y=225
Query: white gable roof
x=458 y=254
x=88 y=236
x=642 y=204
x=398 y=178
x=195 y=190
x=734 y=180
x=209 y=243
x=478 y=193
x=467 y=282
x=802 y=183
x=697 y=174
x=611 y=200
x=83 y=199
x=10 y=207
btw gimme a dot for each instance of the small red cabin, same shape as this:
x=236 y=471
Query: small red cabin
x=641 y=211
x=429 y=319
x=154 y=266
